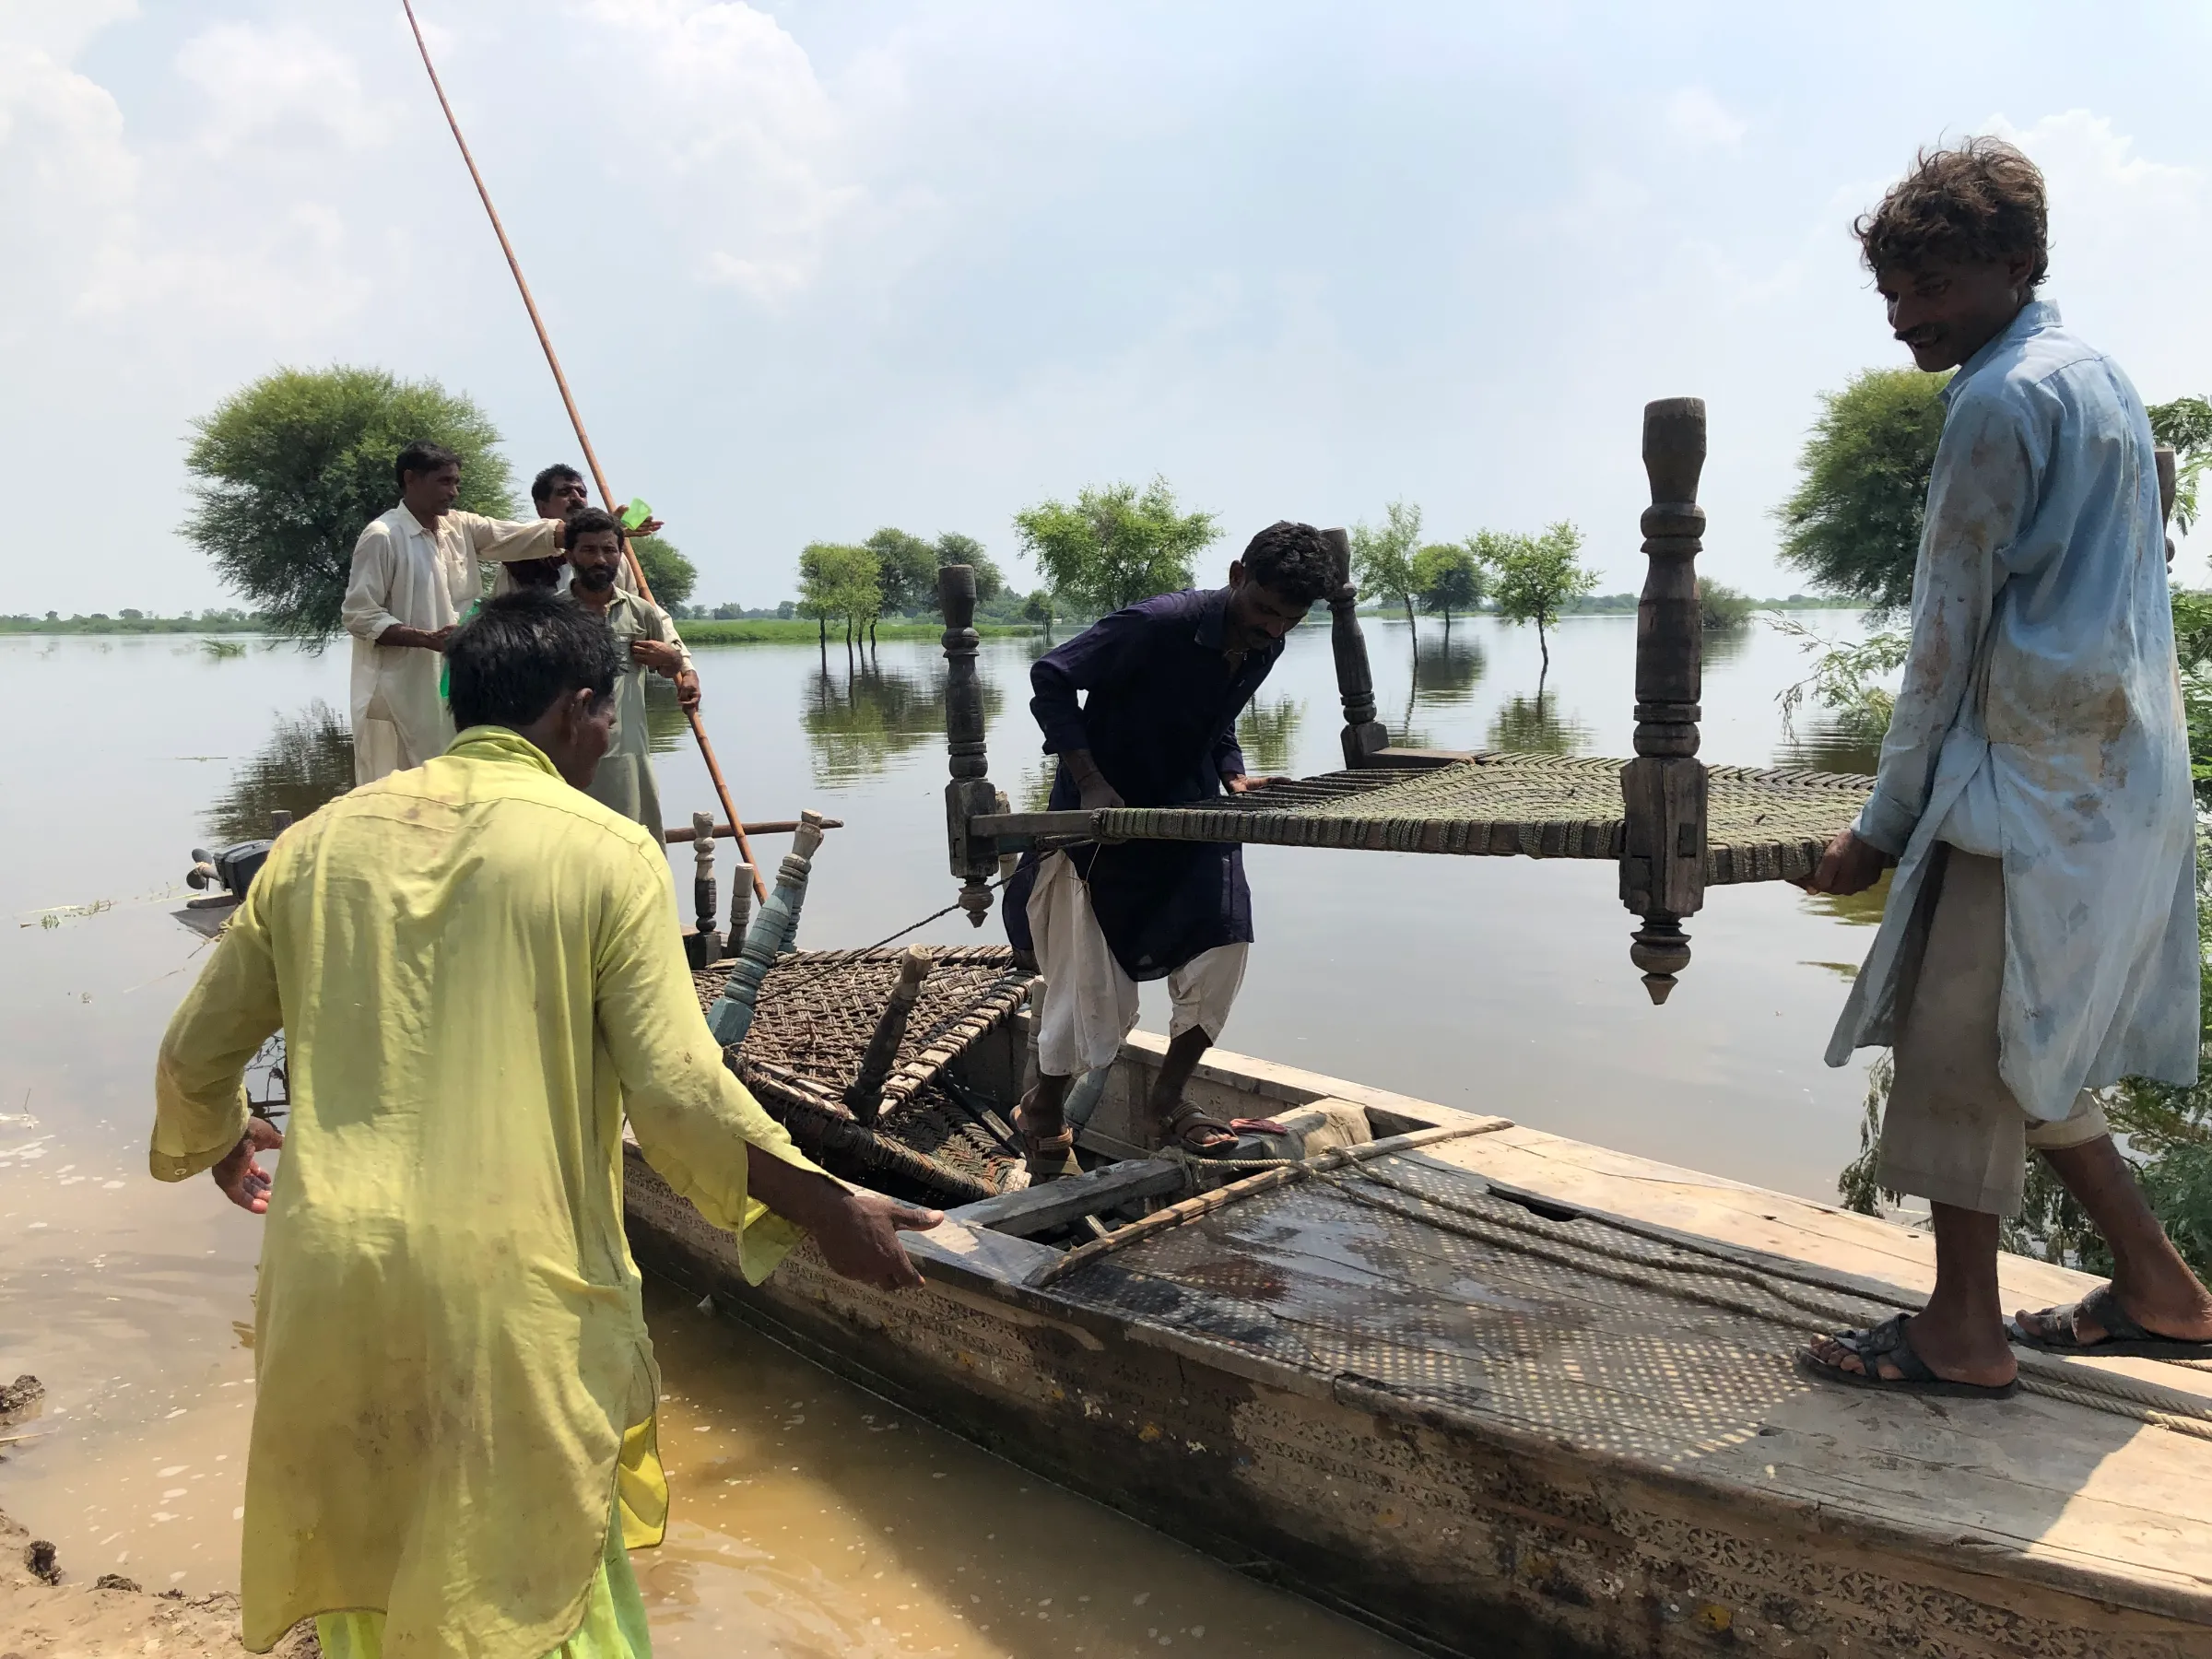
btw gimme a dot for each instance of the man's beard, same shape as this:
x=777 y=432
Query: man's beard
x=595 y=581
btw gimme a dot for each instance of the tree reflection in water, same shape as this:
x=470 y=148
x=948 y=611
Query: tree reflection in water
x=1445 y=673
x=307 y=760
x=1268 y=735
x=858 y=722
x=1535 y=725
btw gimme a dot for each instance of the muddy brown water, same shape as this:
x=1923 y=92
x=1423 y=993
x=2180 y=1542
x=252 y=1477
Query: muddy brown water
x=811 y=1518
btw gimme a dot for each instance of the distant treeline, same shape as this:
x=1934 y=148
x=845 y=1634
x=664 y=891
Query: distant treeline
x=1608 y=603
x=139 y=622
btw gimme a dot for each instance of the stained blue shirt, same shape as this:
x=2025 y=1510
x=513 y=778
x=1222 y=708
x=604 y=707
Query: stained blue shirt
x=1158 y=710
x=2040 y=722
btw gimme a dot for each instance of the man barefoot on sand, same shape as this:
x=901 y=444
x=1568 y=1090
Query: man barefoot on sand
x=2040 y=939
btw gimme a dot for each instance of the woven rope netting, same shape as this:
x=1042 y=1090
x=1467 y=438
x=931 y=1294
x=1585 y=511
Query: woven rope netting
x=1762 y=824
x=811 y=1024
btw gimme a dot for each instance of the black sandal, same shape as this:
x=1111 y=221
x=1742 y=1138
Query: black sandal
x=1187 y=1121
x=1046 y=1156
x=1888 y=1341
x=2122 y=1336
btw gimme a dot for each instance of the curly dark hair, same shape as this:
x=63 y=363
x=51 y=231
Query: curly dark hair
x=1980 y=199
x=1293 y=561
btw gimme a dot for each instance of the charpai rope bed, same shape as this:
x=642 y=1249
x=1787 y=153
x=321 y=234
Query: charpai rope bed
x=1762 y=825
x=933 y=1140
x=1674 y=825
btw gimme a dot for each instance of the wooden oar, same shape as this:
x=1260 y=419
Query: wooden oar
x=591 y=458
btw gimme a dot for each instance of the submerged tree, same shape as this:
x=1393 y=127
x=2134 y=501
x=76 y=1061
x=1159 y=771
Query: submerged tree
x=290 y=470
x=1721 y=609
x=839 y=581
x=1447 y=579
x=1114 y=546
x=1853 y=523
x=1383 y=556
x=1535 y=578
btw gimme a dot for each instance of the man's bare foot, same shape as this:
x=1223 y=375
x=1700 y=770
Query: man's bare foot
x=1953 y=1352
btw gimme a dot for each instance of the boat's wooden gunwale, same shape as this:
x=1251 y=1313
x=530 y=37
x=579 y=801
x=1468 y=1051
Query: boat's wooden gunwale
x=1061 y=1386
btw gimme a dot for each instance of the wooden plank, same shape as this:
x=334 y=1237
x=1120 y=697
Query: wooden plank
x=1056 y=1203
x=1000 y=825
x=977 y=1256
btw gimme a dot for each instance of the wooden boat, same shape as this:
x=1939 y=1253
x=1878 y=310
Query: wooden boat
x=1493 y=1391
x=1500 y=1392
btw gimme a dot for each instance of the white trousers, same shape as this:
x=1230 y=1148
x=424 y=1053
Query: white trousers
x=1090 y=1001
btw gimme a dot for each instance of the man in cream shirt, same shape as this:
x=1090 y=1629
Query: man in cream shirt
x=415 y=572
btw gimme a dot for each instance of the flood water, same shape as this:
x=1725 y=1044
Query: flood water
x=811 y=1518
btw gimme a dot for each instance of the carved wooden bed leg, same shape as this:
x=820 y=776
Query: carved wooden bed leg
x=1662 y=790
x=2169 y=481
x=703 y=945
x=970 y=794
x=1363 y=733
x=775 y=930
x=864 y=1099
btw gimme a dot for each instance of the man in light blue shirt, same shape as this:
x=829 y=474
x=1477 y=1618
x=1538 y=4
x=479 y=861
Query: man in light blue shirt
x=2040 y=939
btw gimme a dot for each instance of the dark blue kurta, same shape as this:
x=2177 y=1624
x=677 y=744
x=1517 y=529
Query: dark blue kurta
x=1161 y=720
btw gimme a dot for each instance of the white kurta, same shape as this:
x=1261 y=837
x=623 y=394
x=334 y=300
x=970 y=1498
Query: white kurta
x=2041 y=723
x=406 y=576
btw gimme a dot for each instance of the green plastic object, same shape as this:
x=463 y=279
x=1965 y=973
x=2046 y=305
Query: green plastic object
x=636 y=513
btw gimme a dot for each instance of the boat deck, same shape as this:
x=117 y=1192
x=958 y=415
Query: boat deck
x=1502 y=1392
x=1415 y=1275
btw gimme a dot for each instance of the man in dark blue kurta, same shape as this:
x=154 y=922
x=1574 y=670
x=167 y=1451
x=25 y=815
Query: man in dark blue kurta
x=1166 y=680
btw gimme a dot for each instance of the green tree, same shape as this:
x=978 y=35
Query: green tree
x=1535 y=578
x=2185 y=424
x=955 y=549
x=671 y=576
x=1721 y=609
x=1116 y=547
x=1383 y=556
x=839 y=581
x=907 y=569
x=1447 y=579
x=290 y=469
x=1853 y=523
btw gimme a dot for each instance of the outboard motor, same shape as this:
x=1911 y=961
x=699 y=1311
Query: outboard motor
x=233 y=868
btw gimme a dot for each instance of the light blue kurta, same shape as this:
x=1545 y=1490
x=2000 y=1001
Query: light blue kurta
x=2040 y=720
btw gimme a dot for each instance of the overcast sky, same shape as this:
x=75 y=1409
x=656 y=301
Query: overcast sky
x=814 y=269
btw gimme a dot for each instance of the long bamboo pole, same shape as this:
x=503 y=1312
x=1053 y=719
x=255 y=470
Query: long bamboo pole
x=591 y=458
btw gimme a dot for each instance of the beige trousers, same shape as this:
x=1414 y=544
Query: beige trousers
x=1953 y=1133
x=1090 y=1001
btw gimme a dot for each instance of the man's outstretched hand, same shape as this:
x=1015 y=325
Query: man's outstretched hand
x=857 y=1231
x=1243 y=783
x=860 y=1239
x=240 y=1174
x=1850 y=865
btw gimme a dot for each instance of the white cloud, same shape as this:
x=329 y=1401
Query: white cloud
x=1697 y=117
x=67 y=183
x=277 y=88
x=740 y=128
x=59 y=28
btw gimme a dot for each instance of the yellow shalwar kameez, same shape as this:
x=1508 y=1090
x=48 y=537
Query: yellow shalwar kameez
x=478 y=972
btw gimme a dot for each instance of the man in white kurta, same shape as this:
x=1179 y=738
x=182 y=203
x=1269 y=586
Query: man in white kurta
x=2039 y=940
x=416 y=571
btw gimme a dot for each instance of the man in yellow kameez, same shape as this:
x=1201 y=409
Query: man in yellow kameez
x=477 y=971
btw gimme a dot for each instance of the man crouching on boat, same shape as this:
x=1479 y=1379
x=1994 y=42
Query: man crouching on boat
x=1167 y=679
x=478 y=972
x=2040 y=939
